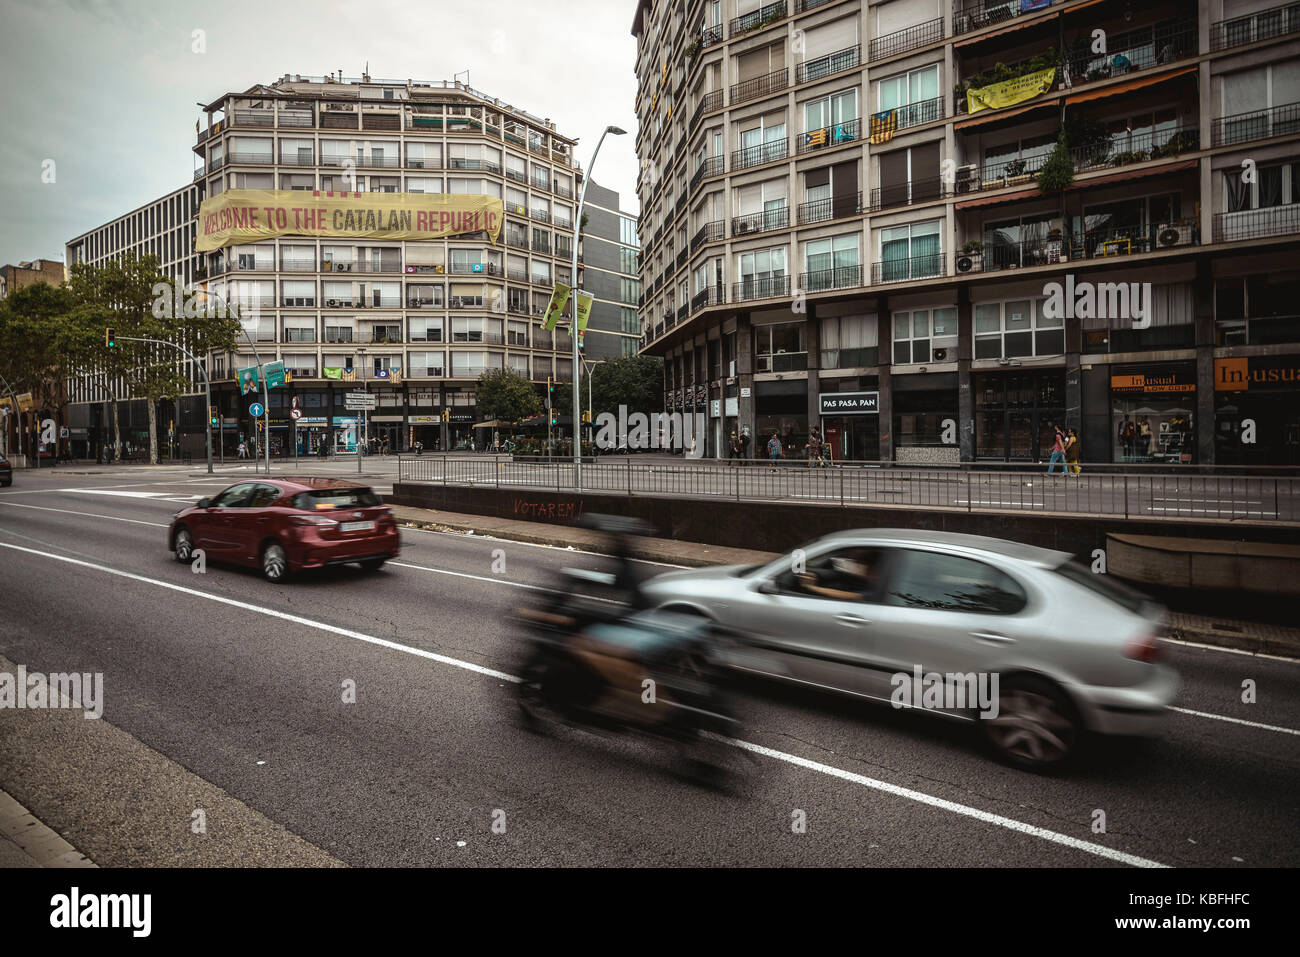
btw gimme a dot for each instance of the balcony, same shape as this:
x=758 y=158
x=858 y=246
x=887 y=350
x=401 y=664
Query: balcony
x=1254 y=27
x=299 y=158
x=781 y=362
x=296 y=118
x=769 y=219
x=467 y=268
x=1257 y=223
x=1170 y=42
x=254 y=118
x=682 y=312
x=1256 y=125
x=1015 y=255
x=922 y=111
x=840 y=277
x=709 y=233
x=968 y=15
x=711 y=35
x=681 y=257
x=766 y=288
x=838 y=133
x=253 y=159
x=762 y=17
x=516 y=175
x=198 y=173
x=436 y=268
x=541 y=215
x=249 y=264
x=760 y=86
x=423 y=303
x=831 y=63
x=559 y=189
x=917 y=267
x=768 y=152
x=390 y=334
x=908 y=194
x=711 y=166
x=803 y=6
x=518 y=242
x=892 y=44
x=466 y=302
x=712 y=296
x=833 y=207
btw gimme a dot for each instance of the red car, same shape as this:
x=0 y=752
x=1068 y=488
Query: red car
x=286 y=525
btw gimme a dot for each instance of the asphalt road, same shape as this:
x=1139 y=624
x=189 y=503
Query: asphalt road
x=238 y=683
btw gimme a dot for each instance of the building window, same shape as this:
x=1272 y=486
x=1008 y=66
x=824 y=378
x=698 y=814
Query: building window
x=848 y=342
x=915 y=333
x=780 y=347
x=832 y=263
x=914 y=96
x=1017 y=328
x=914 y=251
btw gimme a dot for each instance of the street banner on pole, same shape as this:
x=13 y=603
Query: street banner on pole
x=274 y=374
x=559 y=298
x=584 y=310
x=249 y=383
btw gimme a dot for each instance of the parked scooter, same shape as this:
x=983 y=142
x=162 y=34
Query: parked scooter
x=597 y=659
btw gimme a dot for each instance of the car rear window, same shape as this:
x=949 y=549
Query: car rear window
x=1104 y=586
x=336 y=498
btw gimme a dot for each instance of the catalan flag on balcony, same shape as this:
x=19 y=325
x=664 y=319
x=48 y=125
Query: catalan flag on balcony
x=814 y=138
x=392 y=374
x=349 y=375
x=883 y=126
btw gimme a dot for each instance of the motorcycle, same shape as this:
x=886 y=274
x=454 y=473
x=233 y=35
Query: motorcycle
x=597 y=660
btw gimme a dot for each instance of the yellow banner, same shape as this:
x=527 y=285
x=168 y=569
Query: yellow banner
x=247 y=215
x=1009 y=92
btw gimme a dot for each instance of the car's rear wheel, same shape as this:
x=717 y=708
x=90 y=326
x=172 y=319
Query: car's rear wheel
x=1036 y=728
x=372 y=564
x=275 y=563
x=183 y=544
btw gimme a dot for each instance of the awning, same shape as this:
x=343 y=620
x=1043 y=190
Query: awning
x=995 y=116
x=1000 y=198
x=491 y=424
x=1131 y=85
x=1017 y=23
x=1131 y=174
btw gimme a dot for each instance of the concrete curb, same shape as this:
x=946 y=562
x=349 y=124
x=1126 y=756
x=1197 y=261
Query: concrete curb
x=42 y=845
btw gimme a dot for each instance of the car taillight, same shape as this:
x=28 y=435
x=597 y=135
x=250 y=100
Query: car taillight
x=1144 y=647
x=311 y=520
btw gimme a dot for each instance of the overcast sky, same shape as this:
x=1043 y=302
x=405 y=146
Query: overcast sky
x=107 y=88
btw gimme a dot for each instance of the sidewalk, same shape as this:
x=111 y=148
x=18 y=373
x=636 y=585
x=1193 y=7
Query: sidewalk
x=1223 y=632
x=26 y=842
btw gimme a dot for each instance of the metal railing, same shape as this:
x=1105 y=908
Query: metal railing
x=778 y=218
x=834 y=207
x=1257 y=223
x=708 y=233
x=968 y=15
x=711 y=35
x=829 y=64
x=922 y=111
x=760 y=86
x=713 y=296
x=760 y=288
x=1164 y=493
x=833 y=135
x=910 y=193
x=1254 y=27
x=901 y=41
x=1166 y=47
x=252 y=159
x=929 y=266
x=768 y=152
x=1256 y=125
x=761 y=17
x=840 y=277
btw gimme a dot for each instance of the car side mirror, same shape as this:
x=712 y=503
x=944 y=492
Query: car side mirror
x=203 y=503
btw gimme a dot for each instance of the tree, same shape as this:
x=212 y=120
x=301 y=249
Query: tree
x=1058 y=170
x=140 y=302
x=506 y=395
x=35 y=351
x=634 y=381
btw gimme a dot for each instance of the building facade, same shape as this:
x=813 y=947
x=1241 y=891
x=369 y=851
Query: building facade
x=26 y=273
x=416 y=323
x=933 y=228
x=611 y=256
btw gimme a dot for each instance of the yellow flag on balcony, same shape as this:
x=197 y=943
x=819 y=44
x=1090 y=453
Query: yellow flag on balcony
x=1010 y=92
x=883 y=126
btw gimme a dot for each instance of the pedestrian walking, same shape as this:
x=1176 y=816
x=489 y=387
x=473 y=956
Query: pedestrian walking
x=773 y=450
x=815 y=450
x=744 y=445
x=733 y=449
x=1072 y=453
x=1058 y=450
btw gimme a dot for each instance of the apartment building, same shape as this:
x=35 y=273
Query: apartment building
x=14 y=277
x=414 y=322
x=857 y=215
x=611 y=255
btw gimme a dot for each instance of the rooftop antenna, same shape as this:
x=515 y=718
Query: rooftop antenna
x=455 y=75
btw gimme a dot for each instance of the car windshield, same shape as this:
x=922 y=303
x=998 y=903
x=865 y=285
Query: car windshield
x=336 y=498
x=1105 y=586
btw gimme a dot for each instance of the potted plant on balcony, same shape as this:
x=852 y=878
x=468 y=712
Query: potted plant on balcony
x=960 y=102
x=693 y=49
x=1014 y=172
x=1057 y=172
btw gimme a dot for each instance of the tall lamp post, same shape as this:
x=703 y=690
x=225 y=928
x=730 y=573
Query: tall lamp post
x=573 y=325
x=261 y=374
x=587 y=366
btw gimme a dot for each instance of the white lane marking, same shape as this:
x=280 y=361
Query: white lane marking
x=499 y=581
x=68 y=511
x=897 y=791
x=1224 y=717
x=110 y=491
x=1230 y=651
x=261 y=610
x=511 y=541
x=923 y=798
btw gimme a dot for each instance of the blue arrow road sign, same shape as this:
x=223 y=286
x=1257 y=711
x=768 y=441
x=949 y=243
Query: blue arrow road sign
x=255 y=410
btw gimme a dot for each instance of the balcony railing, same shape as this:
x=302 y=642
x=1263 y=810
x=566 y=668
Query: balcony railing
x=768 y=219
x=708 y=233
x=768 y=152
x=916 y=267
x=1169 y=44
x=908 y=194
x=834 y=207
x=422 y=303
x=833 y=135
x=761 y=17
x=242 y=264
x=710 y=102
x=840 y=277
x=681 y=257
x=765 y=288
x=1256 y=125
x=803 y=6
x=922 y=111
x=760 y=86
x=712 y=296
x=781 y=361
x=903 y=40
x=682 y=312
x=1257 y=223
x=296 y=158
x=298 y=118
x=253 y=159
x=254 y=118
x=1254 y=27
x=836 y=62
x=711 y=166
x=968 y=15
x=1008 y=255
x=559 y=189
x=711 y=35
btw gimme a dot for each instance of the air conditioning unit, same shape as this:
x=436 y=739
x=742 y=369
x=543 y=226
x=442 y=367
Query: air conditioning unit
x=966 y=262
x=939 y=355
x=1174 y=234
x=968 y=178
x=742 y=228
x=492 y=269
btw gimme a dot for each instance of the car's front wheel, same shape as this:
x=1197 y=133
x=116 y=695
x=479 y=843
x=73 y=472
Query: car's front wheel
x=183 y=545
x=372 y=564
x=1036 y=727
x=275 y=563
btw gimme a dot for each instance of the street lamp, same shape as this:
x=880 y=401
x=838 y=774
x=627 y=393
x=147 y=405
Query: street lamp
x=587 y=366
x=261 y=374
x=573 y=325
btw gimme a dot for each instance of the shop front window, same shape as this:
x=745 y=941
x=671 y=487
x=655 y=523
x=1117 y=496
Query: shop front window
x=1152 y=414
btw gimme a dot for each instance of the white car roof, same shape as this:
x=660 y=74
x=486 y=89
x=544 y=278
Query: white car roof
x=1030 y=554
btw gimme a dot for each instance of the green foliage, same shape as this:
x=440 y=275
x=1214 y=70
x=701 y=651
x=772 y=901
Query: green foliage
x=1058 y=172
x=35 y=346
x=634 y=381
x=506 y=395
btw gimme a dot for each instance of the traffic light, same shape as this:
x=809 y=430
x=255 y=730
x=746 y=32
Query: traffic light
x=214 y=416
x=110 y=338
x=586 y=416
x=555 y=417
x=446 y=415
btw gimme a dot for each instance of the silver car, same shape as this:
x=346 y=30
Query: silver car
x=1033 y=647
